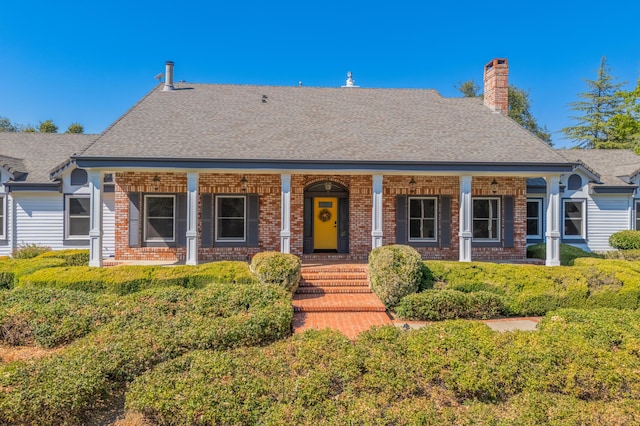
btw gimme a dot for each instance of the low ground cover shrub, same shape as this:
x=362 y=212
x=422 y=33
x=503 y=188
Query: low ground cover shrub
x=396 y=271
x=147 y=328
x=568 y=253
x=453 y=372
x=625 y=240
x=11 y=270
x=623 y=254
x=72 y=257
x=29 y=251
x=277 y=268
x=130 y=279
x=50 y=317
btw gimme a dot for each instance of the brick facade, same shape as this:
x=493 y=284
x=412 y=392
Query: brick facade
x=267 y=187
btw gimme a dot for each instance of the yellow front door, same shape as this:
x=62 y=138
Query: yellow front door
x=325 y=228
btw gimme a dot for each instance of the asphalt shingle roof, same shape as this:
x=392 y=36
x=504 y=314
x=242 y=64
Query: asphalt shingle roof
x=614 y=166
x=237 y=122
x=37 y=153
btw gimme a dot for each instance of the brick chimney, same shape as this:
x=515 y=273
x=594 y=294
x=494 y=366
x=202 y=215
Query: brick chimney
x=496 y=85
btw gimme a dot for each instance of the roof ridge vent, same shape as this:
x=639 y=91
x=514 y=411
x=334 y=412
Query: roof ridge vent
x=350 y=81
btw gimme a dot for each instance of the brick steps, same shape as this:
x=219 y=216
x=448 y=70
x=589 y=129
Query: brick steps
x=336 y=288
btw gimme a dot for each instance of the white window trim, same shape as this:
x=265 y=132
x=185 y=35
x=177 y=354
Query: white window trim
x=145 y=218
x=67 y=217
x=435 y=220
x=539 y=202
x=4 y=210
x=244 y=216
x=582 y=235
x=499 y=219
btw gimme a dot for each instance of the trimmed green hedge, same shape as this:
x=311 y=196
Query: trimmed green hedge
x=436 y=305
x=72 y=257
x=532 y=290
x=11 y=270
x=580 y=367
x=147 y=328
x=568 y=253
x=50 y=317
x=130 y=279
x=277 y=268
x=396 y=271
x=625 y=240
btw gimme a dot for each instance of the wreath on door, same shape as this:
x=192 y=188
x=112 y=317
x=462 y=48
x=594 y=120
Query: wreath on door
x=324 y=215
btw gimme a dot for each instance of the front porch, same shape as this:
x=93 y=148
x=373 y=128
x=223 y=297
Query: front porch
x=193 y=217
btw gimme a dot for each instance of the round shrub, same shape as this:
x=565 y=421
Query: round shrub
x=72 y=257
x=625 y=240
x=277 y=268
x=395 y=271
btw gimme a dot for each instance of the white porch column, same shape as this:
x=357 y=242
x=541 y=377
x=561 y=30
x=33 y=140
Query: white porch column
x=285 y=215
x=465 y=233
x=553 y=222
x=376 y=219
x=192 y=218
x=95 y=178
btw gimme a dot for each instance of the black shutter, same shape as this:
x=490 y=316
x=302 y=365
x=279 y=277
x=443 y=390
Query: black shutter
x=445 y=221
x=401 y=219
x=343 y=225
x=134 y=219
x=206 y=233
x=181 y=220
x=308 y=225
x=252 y=220
x=508 y=221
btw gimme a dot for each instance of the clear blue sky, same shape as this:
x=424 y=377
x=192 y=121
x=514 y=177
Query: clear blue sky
x=89 y=61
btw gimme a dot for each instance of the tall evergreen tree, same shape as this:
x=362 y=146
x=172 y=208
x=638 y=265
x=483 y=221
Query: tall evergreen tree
x=599 y=103
x=519 y=107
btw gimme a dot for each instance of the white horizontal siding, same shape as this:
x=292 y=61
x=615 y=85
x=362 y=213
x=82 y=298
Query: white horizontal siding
x=606 y=215
x=108 y=224
x=39 y=220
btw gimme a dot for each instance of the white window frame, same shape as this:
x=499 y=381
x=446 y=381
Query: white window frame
x=435 y=219
x=490 y=219
x=584 y=218
x=67 y=217
x=216 y=218
x=4 y=216
x=539 y=202
x=145 y=219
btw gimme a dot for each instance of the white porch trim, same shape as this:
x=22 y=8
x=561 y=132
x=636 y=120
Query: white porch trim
x=96 y=185
x=285 y=218
x=466 y=219
x=552 y=224
x=192 y=218
x=376 y=217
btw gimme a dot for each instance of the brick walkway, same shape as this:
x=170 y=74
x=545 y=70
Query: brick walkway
x=338 y=296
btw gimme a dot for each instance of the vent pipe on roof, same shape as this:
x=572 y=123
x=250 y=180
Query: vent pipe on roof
x=168 y=81
x=350 y=81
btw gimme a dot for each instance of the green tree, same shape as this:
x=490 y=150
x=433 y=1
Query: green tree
x=7 y=126
x=29 y=129
x=47 y=126
x=75 y=128
x=624 y=128
x=519 y=107
x=599 y=103
x=469 y=89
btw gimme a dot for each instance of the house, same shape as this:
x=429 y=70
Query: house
x=599 y=197
x=36 y=208
x=212 y=171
